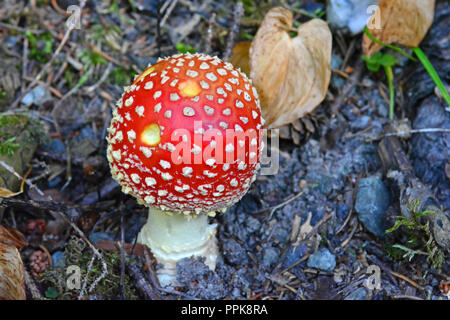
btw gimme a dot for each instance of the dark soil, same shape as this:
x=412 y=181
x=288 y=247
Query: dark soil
x=263 y=254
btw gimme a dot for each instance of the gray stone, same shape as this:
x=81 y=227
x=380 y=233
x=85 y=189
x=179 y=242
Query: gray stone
x=323 y=259
x=372 y=201
x=294 y=254
x=349 y=15
x=55 y=146
x=358 y=294
x=58 y=259
x=234 y=253
x=38 y=96
x=253 y=224
x=99 y=236
x=208 y=286
x=270 y=256
x=322 y=181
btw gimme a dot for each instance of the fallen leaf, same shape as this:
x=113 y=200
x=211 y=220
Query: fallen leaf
x=12 y=281
x=306 y=227
x=240 y=56
x=6 y=193
x=291 y=75
x=114 y=246
x=405 y=22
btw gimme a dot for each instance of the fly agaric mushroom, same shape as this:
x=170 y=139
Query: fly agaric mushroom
x=185 y=140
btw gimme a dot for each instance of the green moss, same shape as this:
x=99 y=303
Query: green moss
x=419 y=239
x=78 y=254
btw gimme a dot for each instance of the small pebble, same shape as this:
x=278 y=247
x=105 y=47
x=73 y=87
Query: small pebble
x=372 y=201
x=323 y=259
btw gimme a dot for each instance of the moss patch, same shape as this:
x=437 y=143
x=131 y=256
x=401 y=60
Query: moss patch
x=78 y=254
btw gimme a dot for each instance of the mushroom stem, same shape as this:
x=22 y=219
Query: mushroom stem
x=172 y=237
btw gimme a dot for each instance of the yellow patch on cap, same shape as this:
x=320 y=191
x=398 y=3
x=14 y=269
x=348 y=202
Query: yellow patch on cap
x=151 y=135
x=145 y=73
x=189 y=89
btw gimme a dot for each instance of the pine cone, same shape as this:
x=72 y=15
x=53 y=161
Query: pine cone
x=38 y=263
x=302 y=129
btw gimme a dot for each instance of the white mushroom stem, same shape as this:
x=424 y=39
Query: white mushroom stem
x=172 y=237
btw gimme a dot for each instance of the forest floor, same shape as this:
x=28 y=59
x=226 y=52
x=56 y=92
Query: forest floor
x=301 y=233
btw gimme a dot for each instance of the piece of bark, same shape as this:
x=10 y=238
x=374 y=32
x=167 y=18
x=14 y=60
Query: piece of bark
x=398 y=167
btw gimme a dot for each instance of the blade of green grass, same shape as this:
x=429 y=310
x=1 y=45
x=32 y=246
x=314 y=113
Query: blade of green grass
x=390 y=46
x=432 y=72
x=390 y=77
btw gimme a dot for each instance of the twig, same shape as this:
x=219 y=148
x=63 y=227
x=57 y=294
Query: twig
x=122 y=255
x=27 y=181
x=384 y=268
x=105 y=55
x=89 y=268
x=19 y=29
x=350 y=84
x=168 y=12
x=32 y=286
x=407 y=133
x=141 y=282
x=97 y=255
x=158 y=27
x=406 y=297
x=341 y=73
x=24 y=62
x=278 y=206
x=44 y=69
x=42 y=83
x=58 y=8
x=151 y=271
x=212 y=23
x=238 y=13
x=49 y=256
x=411 y=282
x=349 y=53
x=45 y=206
x=347 y=219
x=347 y=240
x=154 y=279
x=102 y=79
x=296 y=263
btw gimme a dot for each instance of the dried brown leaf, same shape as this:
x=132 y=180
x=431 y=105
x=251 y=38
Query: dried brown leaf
x=12 y=282
x=6 y=193
x=240 y=57
x=405 y=22
x=291 y=74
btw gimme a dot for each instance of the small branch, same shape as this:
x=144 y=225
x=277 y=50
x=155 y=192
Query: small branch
x=140 y=282
x=122 y=255
x=168 y=12
x=278 y=206
x=18 y=176
x=350 y=84
x=371 y=137
x=238 y=13
x=49 y=63
x=32 y=286
x=158 y=27
x=44 y=69
x=212 y=23
x=407 y=297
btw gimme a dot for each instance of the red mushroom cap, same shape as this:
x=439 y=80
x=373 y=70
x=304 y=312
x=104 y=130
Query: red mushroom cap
x=186 y=136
